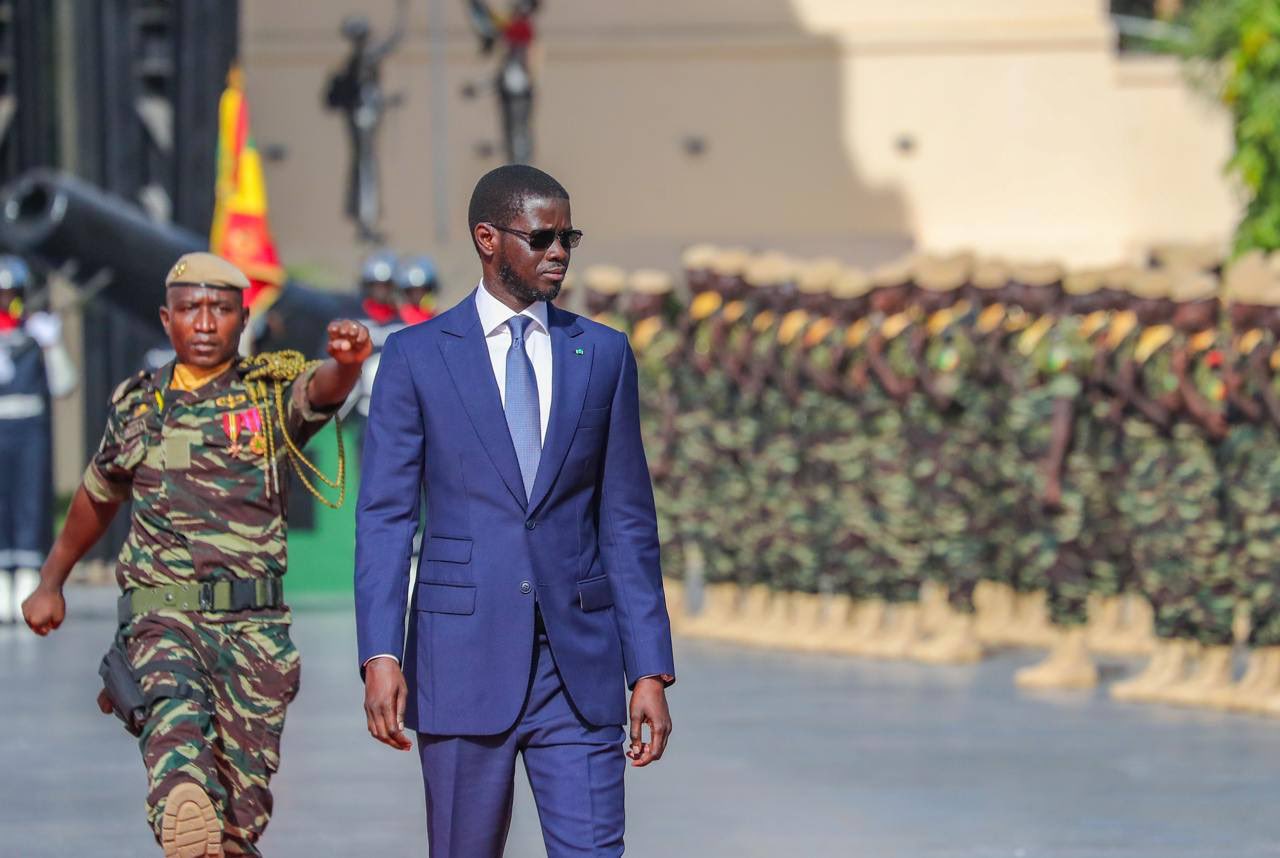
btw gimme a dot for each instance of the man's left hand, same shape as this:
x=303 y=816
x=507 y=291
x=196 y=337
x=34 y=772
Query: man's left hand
x=649 y=706
x=349 y=342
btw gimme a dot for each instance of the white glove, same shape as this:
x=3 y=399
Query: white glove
x=44 y=328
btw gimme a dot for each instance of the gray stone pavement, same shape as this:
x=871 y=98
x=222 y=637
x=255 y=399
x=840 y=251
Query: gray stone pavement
x=773 y=754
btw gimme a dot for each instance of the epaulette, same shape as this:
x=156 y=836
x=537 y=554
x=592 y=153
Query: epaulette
x=1122 y=324
x=990 y=318
x=1092 y=323
x=857 y=333
x=704 y=304
x=818 y=331
x=1203 y=341
x=1151 y=341
x=644 y=332
x=1032 y=334
x=733 y=311
x=763 y=321
x=1249 y=341
x=275 y=366
x=791 y=325
x=891 y=327
x=129 y=385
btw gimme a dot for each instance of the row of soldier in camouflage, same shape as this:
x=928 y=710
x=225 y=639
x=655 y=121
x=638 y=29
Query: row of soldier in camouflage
x=826 y=442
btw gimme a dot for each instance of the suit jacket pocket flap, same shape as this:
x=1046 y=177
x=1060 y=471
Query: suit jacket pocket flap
x=595 y=593
x=446 y=598
x=593 y=417
x=447 y=549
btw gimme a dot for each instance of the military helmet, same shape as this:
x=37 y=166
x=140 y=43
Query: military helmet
x=379 y=267
x=415 y=272
x=14 y=273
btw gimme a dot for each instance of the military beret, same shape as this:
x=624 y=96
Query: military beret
x=1038 y=273
x=1120 y=277
x=1197 y=257
x=1187 y=285
x=205 y=269
x=730 y=263
x=649 y=281
x=895 y=273
x=819 y=276
x=851 y=283
x=768 y=269
x=990 y=274
x=1251 y=279
x=699 y=257
x=1152 y=284
x=1083 y=282
x=605 y=279
x=942 y=274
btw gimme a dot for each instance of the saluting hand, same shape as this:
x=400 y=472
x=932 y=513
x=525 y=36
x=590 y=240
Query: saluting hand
x=349 y=342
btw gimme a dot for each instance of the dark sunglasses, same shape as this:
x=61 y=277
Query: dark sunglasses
x=541 y=239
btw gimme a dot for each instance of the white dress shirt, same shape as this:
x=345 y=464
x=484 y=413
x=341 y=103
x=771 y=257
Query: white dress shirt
x=494 y=316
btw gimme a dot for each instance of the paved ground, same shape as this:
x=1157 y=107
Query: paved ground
x=773 y=754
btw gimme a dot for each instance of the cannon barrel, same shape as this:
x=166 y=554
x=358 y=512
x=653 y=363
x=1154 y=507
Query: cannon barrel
x=58 y=219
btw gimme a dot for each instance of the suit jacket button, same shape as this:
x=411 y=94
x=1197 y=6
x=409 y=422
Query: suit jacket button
x=530 y=524
x=526 y=587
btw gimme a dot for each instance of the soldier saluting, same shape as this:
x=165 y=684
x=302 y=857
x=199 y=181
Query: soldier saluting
x=203 y=667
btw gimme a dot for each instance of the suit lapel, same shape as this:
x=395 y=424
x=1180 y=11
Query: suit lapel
x=570 y=372
x=467 y=357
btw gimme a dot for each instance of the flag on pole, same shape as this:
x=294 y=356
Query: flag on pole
x=240 y=233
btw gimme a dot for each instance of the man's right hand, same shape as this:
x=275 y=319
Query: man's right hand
x=44 y=610
x=385 y=694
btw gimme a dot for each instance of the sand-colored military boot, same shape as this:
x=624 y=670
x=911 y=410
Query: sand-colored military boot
x=808 y=619
x=1031 y=626
x=1106 y=621
x=1213 y=674
x=789 y=614
x=935 y=609
x=10 y=611
x=866 y=625
x=753 y=608
x=956 y=643
x=719 y=607
x=190 y=827
x=1260 y=682
x=1068 y=665
x=901 y=634
x=995 y=612
x=834 y=617
x=1168 y=665
x=1137 y=635
x=674 y=591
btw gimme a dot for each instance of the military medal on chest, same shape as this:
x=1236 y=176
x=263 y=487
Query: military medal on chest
x=238 y=424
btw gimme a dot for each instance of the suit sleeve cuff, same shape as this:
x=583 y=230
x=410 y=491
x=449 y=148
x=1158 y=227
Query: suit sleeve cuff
x=378 y=656
x=667 y=679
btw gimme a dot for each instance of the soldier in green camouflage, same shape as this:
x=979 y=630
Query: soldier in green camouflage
x=898 y=547
x=200 y=448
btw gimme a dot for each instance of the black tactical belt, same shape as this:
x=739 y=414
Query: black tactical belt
x=221 y=596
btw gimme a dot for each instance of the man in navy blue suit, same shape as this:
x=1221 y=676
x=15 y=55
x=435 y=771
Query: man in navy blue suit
x=539 y=595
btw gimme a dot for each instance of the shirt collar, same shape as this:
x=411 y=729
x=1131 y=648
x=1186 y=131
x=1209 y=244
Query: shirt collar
x=494 y=314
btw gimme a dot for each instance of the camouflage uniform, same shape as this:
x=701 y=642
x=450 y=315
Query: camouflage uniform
x=1250 y=462
x=984 y=406
x=656 y=345
x=897 y=545
x=1173 y=504
x=959 y=508
x=204 y=509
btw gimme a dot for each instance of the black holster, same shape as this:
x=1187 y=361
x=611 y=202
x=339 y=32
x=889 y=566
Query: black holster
x=123 y=689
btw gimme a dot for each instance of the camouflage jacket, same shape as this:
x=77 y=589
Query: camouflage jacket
x=195 y=466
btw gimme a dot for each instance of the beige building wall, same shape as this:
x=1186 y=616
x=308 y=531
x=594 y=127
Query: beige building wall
x=854 y=127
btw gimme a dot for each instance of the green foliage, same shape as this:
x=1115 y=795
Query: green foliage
x=1237 y=46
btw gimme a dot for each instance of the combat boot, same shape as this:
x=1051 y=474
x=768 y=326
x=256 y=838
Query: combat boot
x=778 y=625
x=836 y=615
x=719 y=606
x=1106 y=622
x=674 y=591
x=9 y=609
x=752 y=608
x=901 y=635
x=1261 y=680
x=864 y=626
x=1031 y=626
x=190 y=827
x=935 y=610
x=995 y=602
x=806 y=617
x=1137 y=635
x=1168 y=665
x=1212 y=675
x=957 y=643
x=1068 y=665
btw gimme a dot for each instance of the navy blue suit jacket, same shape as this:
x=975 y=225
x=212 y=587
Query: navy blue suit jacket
x=584 y=545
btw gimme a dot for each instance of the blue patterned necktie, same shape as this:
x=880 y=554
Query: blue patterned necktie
x=523 y=418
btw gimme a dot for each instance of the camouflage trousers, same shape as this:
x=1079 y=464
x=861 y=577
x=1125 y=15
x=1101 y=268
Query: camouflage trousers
x=1250 y=461
x=960 y=516
x=1111 y=559
x=1049 y=549
x=1173 y=505
x=897 y=547
x=224 y=733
